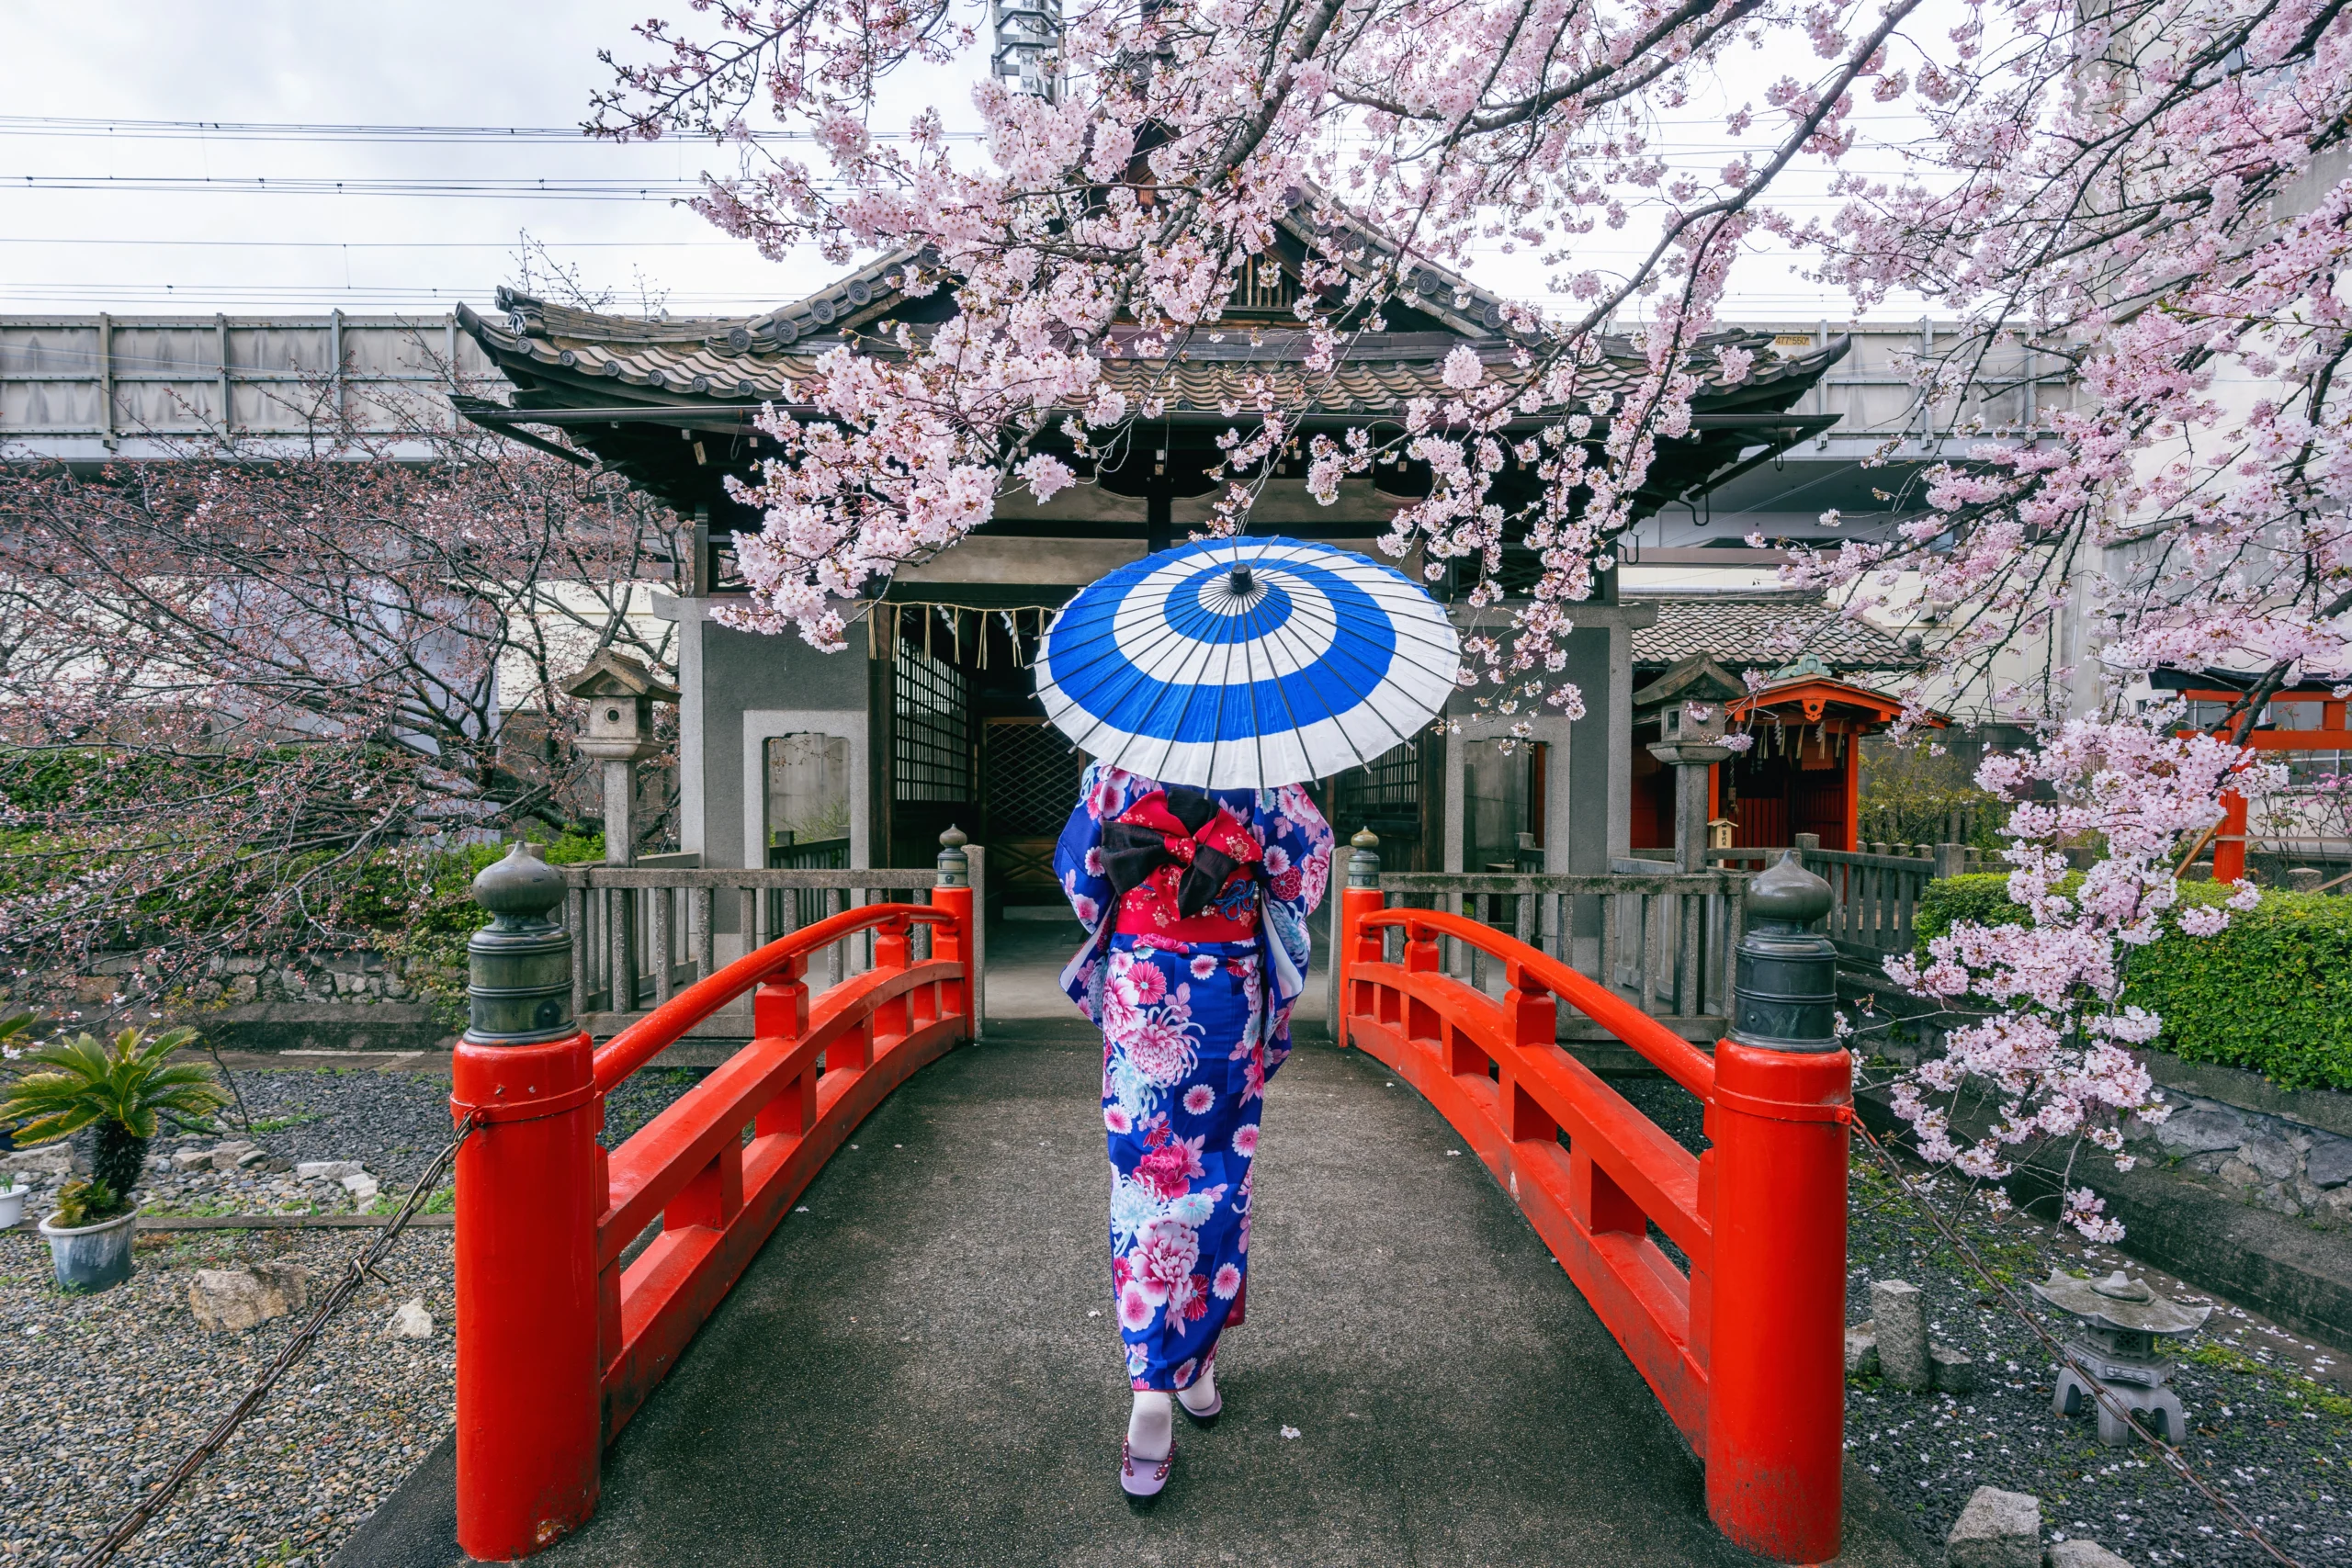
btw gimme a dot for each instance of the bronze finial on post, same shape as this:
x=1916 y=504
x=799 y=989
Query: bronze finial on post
x=518 y=987
x=954 y=866
x=1785 y=993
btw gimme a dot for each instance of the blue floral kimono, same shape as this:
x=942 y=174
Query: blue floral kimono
x=1193 y=1028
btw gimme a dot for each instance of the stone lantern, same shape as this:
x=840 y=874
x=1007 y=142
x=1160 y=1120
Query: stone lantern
x=1692 y=702
x=2113 y=1341
x=621 y=694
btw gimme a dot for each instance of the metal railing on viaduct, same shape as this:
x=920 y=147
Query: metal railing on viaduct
x=568 y=1316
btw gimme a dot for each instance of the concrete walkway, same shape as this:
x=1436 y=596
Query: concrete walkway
x=922 y=1368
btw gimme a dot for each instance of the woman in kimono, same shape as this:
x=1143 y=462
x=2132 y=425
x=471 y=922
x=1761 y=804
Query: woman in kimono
x=1195 y=905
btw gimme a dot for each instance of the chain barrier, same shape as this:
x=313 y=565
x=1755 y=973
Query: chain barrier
x=2231 y=1514
x=361 y=1266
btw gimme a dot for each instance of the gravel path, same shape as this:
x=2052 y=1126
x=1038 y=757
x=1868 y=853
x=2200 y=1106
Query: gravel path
x=2270 y=1424
x=101 y=1396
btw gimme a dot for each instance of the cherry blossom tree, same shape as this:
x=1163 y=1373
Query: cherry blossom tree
x=2147 y=193
x=236 y=682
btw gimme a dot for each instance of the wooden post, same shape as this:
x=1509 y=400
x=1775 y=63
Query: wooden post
x=2229 y=844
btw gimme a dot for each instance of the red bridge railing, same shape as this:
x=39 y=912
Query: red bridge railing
x=561 y=1334
x=1744 y=1345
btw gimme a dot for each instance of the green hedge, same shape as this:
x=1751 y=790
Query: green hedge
x=2272 y=993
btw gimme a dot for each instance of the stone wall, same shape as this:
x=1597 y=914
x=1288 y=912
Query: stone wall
x=272 y=1001
x=2288 y=1151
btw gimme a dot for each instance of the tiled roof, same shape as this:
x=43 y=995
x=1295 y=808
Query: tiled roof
x=706 y=360
x=1309 y=219
x=1747 y=632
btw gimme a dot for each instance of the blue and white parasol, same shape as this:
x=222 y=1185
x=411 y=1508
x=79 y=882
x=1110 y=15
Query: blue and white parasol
x=1247 y=663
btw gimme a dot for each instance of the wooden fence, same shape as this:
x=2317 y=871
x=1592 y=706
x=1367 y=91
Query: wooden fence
x=642 y=934
x=1876 y=891
x=1661 y=939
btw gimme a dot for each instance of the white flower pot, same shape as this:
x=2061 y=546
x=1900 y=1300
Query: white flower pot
x=90 y=1257
x=12 y=1207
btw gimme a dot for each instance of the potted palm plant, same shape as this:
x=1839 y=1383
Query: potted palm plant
x=121 y=1090
x=13 y=1190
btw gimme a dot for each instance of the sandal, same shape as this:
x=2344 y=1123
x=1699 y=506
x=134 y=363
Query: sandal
x=1202 y=1419
x=1141 y=1480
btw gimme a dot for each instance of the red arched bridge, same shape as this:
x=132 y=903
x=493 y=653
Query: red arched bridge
x=1719 y=1275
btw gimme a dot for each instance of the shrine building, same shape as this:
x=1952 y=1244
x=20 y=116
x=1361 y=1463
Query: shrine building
x=860 y=758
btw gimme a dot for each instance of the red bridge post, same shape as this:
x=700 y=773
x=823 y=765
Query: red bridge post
x=952 y=892
x=1362 y=896
x=530 y=1190
x=1783 y=1099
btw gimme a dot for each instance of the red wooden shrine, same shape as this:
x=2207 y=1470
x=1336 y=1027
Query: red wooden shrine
x=1801 y=776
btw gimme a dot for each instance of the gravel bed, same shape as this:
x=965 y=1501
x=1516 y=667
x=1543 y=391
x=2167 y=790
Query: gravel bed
x=390 y=1124
x=2270 y=1424
x=102 y=1395
x=394 y=1122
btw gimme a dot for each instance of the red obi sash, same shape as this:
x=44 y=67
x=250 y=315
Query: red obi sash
x=1181 y=898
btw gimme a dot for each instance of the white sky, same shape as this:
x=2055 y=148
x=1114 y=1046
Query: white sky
x=419 y=62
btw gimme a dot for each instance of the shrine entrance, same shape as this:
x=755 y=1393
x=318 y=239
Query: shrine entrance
x=968 y=743
x=969 y=746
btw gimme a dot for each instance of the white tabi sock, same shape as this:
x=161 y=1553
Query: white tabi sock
x=1151 y=1430
x=1201 y=1395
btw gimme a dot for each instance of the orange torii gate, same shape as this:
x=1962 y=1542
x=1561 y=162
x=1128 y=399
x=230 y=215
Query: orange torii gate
x=559 y=1341
x=2274 y=744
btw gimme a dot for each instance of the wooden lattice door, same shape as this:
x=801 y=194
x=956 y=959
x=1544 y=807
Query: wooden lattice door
x=1029 y=778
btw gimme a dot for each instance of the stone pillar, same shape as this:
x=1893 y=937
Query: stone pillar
x=620 y=797
x=1899 y=1321
x=1692 y=746
x=1784 y=1097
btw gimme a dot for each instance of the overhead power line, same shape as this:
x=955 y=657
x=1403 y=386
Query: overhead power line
x=460 y=189
x=307 y=131
x=149 y=244
x=558 y=189
x=286 y=130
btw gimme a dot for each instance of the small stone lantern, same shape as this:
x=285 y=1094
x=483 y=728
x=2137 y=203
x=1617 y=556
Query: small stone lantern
x=621 y=694
x=1692 y=724
x=1692 y=701
x=2113 y=1339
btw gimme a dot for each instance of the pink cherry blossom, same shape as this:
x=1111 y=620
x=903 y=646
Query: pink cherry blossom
x=2175 y=488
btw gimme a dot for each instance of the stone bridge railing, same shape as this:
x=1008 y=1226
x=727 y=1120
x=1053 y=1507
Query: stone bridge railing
x=1874 y=894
